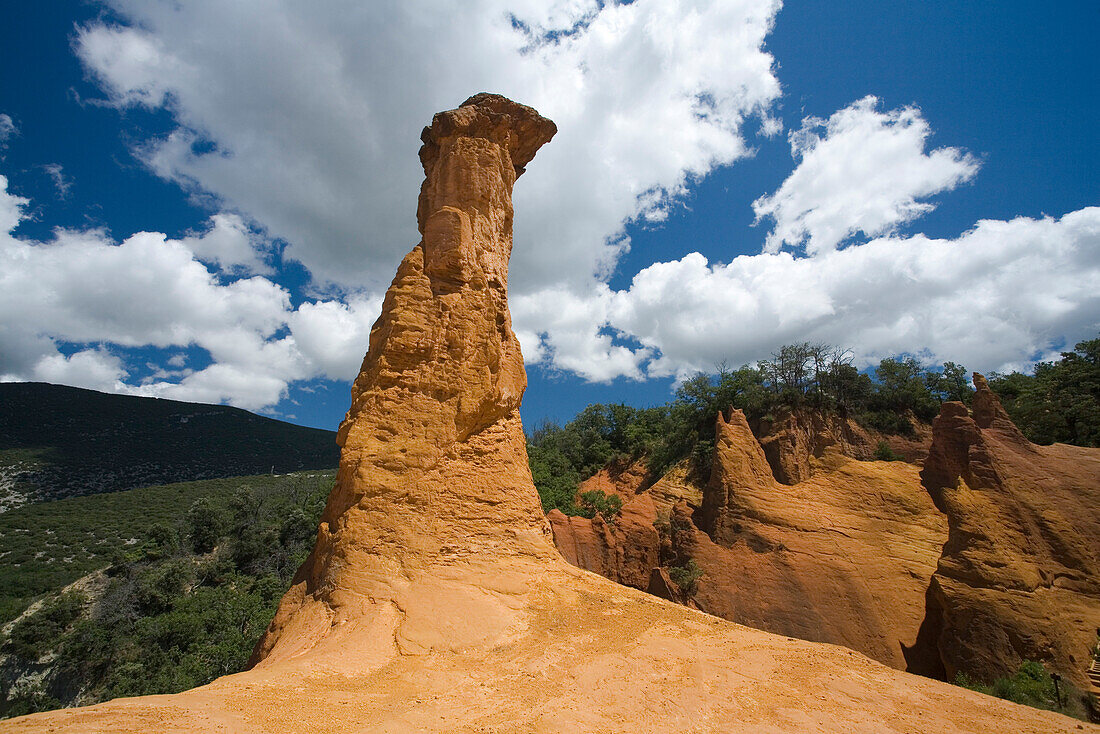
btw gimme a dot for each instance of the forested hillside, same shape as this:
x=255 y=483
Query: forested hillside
x=152 y=590
x=58 y=441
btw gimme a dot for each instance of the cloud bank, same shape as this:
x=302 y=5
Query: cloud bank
x=299 y=125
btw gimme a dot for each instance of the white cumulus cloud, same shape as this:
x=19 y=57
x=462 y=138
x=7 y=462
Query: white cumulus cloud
x=306 y=118
x=84 y=288
x=992 y=298
x=861 y=170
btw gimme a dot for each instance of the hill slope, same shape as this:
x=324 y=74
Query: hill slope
x=58 y=442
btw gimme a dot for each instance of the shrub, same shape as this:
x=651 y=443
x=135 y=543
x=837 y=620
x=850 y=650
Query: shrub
x=33 y=635
x=686 y=576
x=596 y=501
x=887 y=421
x=205 y=524
x=883 y=452
x=1033 y=686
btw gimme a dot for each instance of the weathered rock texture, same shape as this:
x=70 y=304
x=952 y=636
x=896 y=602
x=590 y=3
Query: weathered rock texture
x=844 y=556
x=433 y=481
x=987 y=557
x=793 y=441
x=434 y=600
x=1020 y=573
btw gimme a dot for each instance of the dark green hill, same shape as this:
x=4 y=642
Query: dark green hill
x=58 y=442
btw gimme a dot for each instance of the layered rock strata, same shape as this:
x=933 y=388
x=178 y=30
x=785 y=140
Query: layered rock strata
x=434 y=600
x=986 y=558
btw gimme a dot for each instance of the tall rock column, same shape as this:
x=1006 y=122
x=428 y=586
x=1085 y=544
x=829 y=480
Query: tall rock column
x=434 y=489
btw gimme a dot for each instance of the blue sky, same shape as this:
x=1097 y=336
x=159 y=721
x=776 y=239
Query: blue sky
x=894 y=177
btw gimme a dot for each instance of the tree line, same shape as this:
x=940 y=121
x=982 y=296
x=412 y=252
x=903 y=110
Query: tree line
x=1060 y=402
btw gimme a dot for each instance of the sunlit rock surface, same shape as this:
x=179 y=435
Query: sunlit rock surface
x=435 y=600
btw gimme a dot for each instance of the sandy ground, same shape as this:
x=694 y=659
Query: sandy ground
x=581 y=655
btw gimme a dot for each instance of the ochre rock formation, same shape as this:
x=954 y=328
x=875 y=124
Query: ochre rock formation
x=627 y=548
x=433 y=483
x=1020 y=573
x=988 y=557
x=843 y=556
x=434 y=599
x=795 y=439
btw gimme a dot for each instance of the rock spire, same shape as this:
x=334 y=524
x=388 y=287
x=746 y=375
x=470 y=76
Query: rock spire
x=434 y=468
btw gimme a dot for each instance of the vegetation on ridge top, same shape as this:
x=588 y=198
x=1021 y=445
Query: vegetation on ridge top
x=1060 y=402
x=804 y=375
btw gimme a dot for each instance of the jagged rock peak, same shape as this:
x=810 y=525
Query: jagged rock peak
x=988 y=411
x=737 y=467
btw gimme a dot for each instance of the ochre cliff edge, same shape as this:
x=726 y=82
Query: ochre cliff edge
x=1020 y=574
x=434 y=599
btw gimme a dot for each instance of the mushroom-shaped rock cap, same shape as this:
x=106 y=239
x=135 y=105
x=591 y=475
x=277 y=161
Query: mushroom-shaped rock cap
x=517 y=128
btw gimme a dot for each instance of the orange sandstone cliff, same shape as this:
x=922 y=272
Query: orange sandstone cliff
x=434 y=599
x=1020 y=574
x=844 y=555
x=986 y=557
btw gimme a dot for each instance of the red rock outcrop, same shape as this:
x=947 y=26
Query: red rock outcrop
x=626 y=550
x=1020 y=573
x=434 y=599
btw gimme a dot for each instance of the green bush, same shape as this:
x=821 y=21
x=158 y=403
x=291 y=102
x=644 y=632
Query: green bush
x=1033 y=686
x=595 y=501
x=205 y=524
x=887 y=421
x=686 y=576
x=34 y=635
x=883 y=452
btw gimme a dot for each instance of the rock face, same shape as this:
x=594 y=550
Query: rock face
x=433 y=473
x=434 y=599
x=794 y=440
x=845 y=556
x=1020 y=573
x=627 y=549
x=988 y=557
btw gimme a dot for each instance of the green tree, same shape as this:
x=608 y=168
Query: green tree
x=205 y=525
x=953 y=384
x=596 y=501
x=1061 y=401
